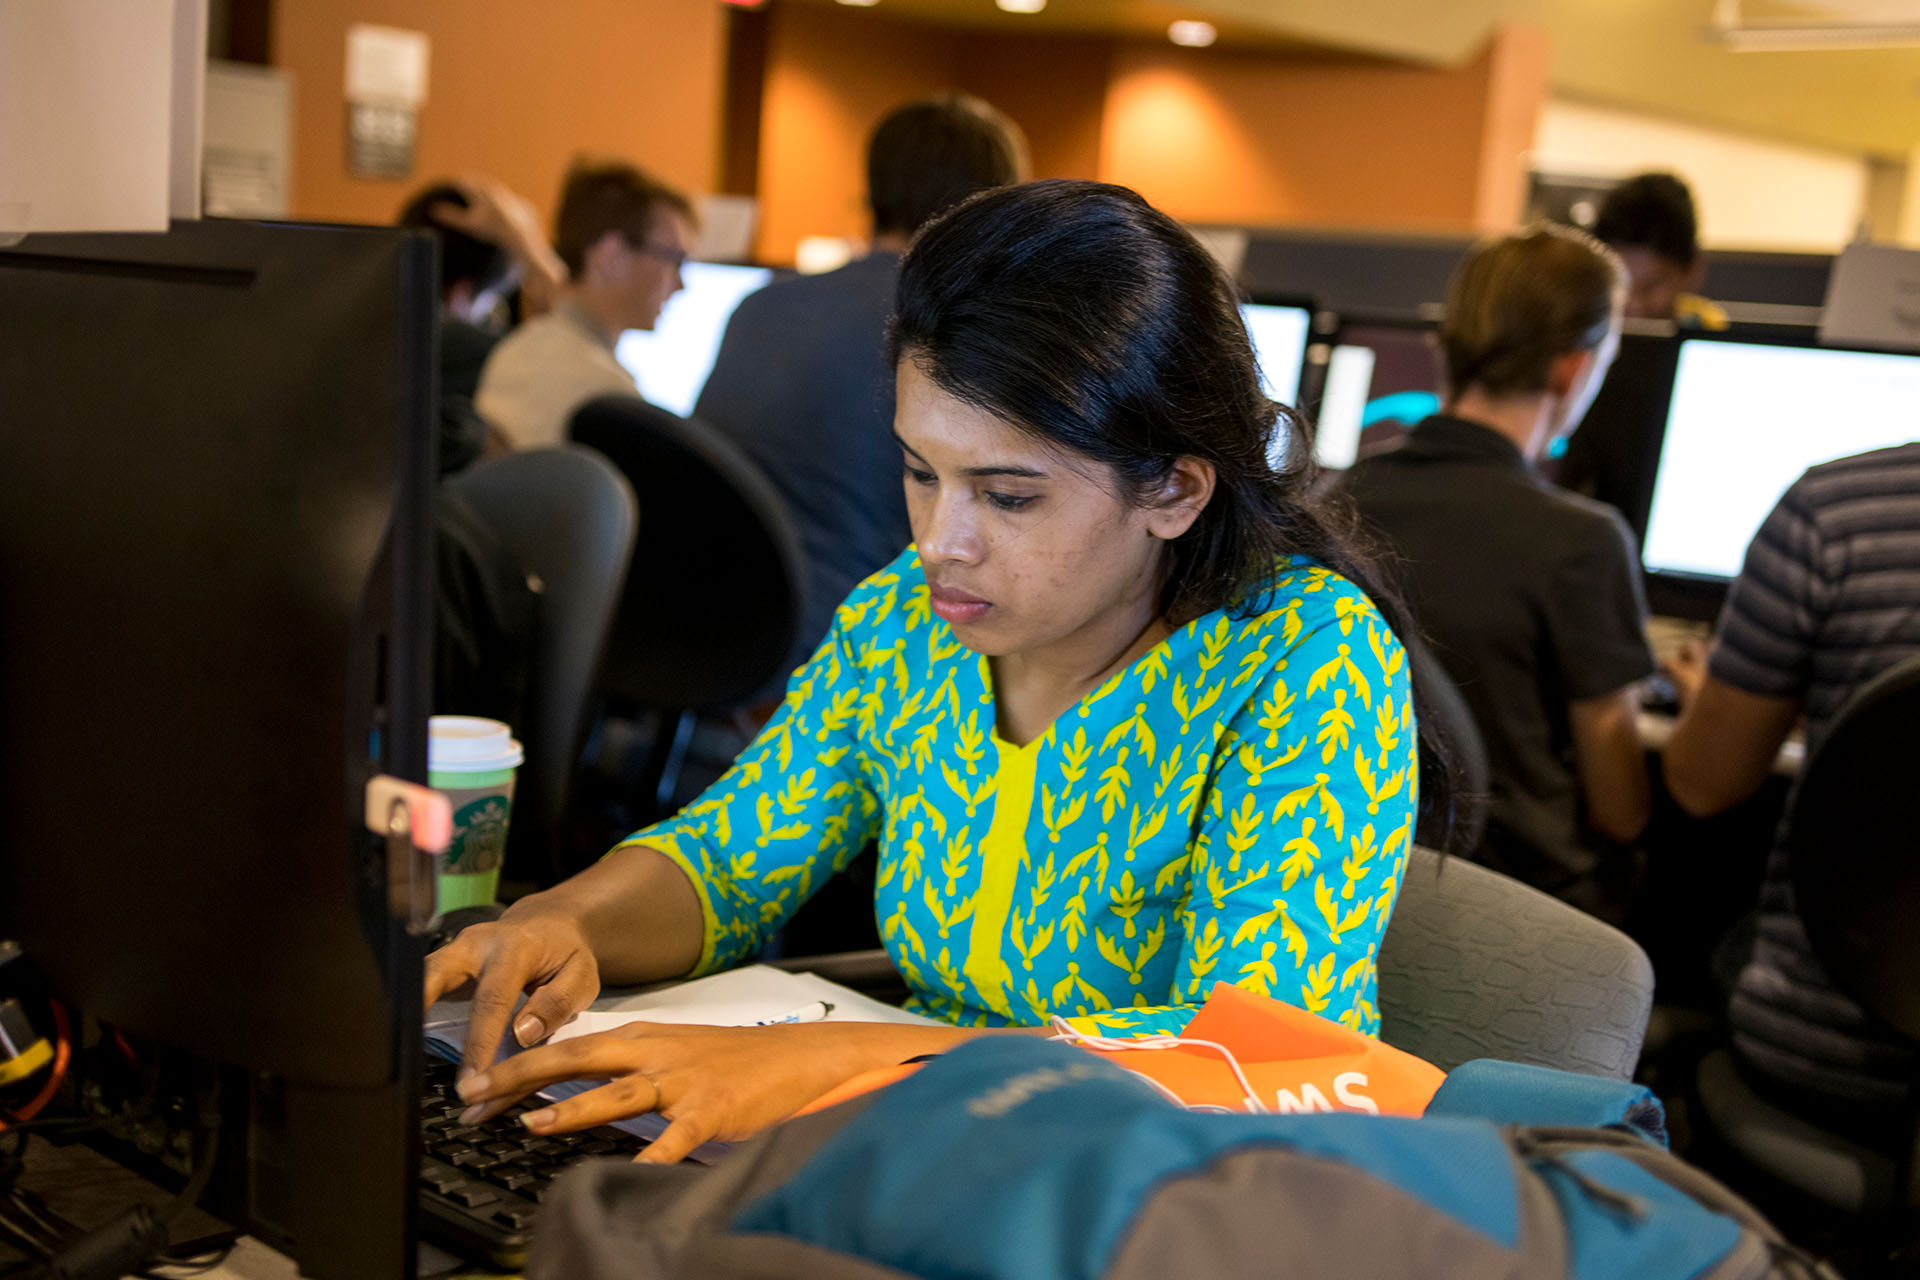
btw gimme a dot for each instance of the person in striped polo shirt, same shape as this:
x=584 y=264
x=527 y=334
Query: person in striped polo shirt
x=1829 y=597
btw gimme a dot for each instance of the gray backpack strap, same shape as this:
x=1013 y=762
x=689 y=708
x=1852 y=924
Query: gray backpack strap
x=616 y=1220
x=1762 y=1252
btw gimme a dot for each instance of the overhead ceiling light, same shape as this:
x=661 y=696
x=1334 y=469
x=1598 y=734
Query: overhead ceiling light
x=1192 y=35
x=861 y=4
x=1022 y=6
x=1741 y=34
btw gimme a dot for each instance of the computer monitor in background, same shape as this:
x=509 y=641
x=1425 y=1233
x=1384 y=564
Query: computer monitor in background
x=670 y=362
x=1382 y=378
x=1343 y=406
x=1280 y=334
x=1744 y=421
x=1614 y=454
x=215 y=577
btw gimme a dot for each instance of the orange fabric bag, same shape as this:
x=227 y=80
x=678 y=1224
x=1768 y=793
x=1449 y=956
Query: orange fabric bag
x=1291 y=1060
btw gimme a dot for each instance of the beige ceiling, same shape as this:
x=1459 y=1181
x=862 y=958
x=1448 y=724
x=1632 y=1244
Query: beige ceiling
x=1648 y=55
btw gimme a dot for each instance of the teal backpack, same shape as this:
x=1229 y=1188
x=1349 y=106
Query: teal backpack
x=1015 y=1159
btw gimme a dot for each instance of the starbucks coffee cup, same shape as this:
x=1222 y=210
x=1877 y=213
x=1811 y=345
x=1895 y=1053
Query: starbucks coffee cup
x=472 y=761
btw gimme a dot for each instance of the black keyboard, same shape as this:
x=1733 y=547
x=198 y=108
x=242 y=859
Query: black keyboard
x=481 y=1185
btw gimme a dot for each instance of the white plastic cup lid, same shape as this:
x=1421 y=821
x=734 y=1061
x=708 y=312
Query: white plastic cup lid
x=470 y=744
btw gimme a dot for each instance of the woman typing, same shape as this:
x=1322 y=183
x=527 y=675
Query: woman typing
x=1127 y=720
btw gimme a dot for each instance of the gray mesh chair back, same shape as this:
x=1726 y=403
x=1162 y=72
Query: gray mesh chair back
x=1477 y=965
x=569 y=519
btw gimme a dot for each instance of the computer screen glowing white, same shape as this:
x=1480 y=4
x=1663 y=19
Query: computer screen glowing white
x=1280 y=349
x=671 y=361
x=1280 y=346
x=1343 y=406
x=1744 y=421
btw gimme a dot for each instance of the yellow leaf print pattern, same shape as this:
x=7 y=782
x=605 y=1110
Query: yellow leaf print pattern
x=1113 y=786
x=1206 y=954
x=1185 y=824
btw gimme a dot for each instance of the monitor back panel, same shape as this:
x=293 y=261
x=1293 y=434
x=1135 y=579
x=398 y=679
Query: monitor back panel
x=203 y=654
x=1615 y=453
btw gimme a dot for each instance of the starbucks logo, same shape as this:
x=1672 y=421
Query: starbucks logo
x=479 y=835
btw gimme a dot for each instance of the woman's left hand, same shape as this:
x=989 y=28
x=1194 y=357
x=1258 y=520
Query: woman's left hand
x=710 y=1083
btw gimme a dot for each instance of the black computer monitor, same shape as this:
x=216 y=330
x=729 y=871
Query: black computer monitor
x=1399 y=275
x=215 y=537
x=1615 y=452
x=671 y=361
x=1382 y=377
x=1745 y=419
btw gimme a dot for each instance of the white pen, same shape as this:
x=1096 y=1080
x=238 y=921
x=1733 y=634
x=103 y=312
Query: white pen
x=805 y=1013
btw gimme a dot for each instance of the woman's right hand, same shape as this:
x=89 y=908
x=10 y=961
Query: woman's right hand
x=541 y=952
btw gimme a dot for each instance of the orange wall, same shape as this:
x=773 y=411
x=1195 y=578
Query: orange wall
x=1054 y=86
x=832 y=73
x=1519 y=60
x=1217 y=136
x=1209 y=135
x=515 y=90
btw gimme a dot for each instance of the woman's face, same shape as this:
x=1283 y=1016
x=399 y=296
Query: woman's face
x=1026 y=549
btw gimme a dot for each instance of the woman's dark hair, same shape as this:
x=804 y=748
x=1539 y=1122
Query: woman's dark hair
x=1078 y=313
x=1518 y=303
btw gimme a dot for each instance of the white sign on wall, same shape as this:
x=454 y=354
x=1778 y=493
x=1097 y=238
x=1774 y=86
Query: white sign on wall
x=248 y=140
x=386 y=84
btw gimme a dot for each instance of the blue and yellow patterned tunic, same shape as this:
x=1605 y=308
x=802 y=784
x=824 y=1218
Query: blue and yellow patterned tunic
x=1235 y=804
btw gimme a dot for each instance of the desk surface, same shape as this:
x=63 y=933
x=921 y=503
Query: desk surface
x=252 y=1260
x=83 y=1186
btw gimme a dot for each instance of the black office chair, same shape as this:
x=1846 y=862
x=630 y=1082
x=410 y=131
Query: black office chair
x=712 y=602
x=568 y=518
x=1856 y=883
x=1458 y=829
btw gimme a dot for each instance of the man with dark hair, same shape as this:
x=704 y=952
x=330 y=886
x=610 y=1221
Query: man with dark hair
x=1649 y=221
x=801 y=380
x=622 y=237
